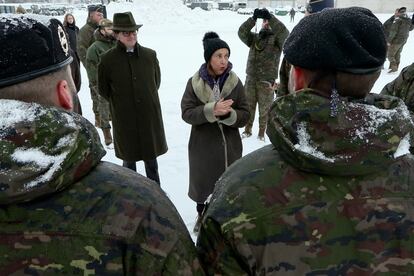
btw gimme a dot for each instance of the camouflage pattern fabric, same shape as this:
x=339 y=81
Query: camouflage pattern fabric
x=63 y=212
x=262 y=65
x=93 y=57
x=394 y=54
x=283 y=87
x=403 y=87
x=397 y=37
x=85 y=39
x=261 y=94
x=331 y=196
x=264 y=53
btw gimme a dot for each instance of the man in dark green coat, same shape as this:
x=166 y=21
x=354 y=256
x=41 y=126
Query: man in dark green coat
x=333 y=194
x=63 y=211
x=129 y=78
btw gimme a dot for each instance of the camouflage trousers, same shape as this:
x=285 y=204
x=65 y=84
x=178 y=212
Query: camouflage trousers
x=394 y=54
x=101 y=107
x=258 y=92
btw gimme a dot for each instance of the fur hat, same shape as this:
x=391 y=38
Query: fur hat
x=318 y=5
x=349 y=40
x=125 y=22
x=402 y=10
x=97 y=8
x=31 y=46
x=211 y=43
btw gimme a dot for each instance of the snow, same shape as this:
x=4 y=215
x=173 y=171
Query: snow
x=10 y=112
x=35 y=157
x=305 y=146
x=175 y=32
x=403 y=147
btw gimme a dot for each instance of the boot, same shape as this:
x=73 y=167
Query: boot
x=261 y=134
x=247 y=132
x=97 y=120
x=107 y=136
x=197 y=225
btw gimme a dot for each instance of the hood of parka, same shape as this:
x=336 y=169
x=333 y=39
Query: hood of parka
x=43 y=150
x=366 y=136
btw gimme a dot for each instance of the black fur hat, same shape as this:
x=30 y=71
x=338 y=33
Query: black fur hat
x=349 y=40
x=31 y=46
x=211 y=43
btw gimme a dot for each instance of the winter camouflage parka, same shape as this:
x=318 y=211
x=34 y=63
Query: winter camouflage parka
x=331 y=196
x=64 y=212
x=403 y=87
x=85 y=39
x=400 y=30
x=264 y=53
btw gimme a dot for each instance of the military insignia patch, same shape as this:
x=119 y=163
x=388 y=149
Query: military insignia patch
x=63 y=40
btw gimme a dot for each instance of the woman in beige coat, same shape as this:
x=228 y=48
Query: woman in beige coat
x=215 y=105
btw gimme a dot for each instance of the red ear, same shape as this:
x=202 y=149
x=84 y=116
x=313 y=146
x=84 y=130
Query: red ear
x=64 y=95
x=299 y=79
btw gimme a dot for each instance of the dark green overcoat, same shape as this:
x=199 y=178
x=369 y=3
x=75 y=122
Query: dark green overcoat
x=130 y=82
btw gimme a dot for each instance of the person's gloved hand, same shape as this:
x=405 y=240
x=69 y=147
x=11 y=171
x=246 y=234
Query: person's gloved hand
x=256 y=13
x=412 y=19
x=266 y=14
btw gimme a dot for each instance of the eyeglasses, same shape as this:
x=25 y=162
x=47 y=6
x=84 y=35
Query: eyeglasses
x=126 y=34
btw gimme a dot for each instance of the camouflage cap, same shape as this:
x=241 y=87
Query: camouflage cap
x=105 y=23
x=31 y=46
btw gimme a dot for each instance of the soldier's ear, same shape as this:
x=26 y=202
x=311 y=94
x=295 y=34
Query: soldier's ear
x=297 y=79
x=64 y=95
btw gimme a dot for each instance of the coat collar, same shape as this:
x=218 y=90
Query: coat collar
x=121 y=47
x=204 y=92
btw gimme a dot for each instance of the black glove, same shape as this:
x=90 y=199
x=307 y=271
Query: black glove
x=256 y=14
x=266 y=14
x=412 y=19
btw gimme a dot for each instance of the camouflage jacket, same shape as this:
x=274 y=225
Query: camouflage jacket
x=403 y=87
x=63 y=212
x=85 y=39
x=264 y=53
x=331 y=196
x=93 y=55
x=399 y=30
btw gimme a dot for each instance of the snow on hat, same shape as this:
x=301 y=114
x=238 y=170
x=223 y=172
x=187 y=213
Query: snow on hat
x=349 y=40
x=211 y=43
x=31 y=46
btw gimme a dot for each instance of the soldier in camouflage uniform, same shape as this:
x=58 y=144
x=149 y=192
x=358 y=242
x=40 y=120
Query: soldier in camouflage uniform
x=398 y=34
x=333 y=195
x=403 y=87
x=104 y=40
x=262 y=64
x=85 y=39
x=63 y=211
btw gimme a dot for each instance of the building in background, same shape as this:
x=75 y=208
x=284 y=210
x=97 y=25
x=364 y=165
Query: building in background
x=376 y=6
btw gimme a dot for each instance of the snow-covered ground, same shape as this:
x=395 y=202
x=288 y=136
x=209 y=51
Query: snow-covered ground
x=175 y=32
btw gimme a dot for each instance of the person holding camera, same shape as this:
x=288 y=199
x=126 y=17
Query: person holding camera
x=262 y=64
